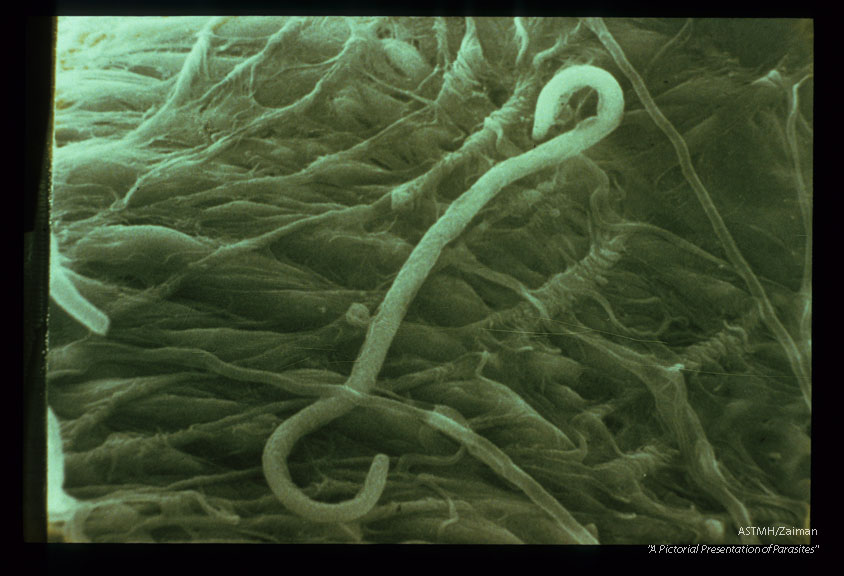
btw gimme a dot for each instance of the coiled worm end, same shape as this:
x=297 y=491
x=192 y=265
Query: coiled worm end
x=277 y=474
x=557 y=93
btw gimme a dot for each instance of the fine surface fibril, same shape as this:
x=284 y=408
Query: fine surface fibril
x=67 y=296
x=766 y=309
x=60 y=506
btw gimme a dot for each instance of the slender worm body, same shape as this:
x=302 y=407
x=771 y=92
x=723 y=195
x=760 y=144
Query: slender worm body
x=382 y=329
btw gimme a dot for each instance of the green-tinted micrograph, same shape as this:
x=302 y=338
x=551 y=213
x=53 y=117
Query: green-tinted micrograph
x=431 y=280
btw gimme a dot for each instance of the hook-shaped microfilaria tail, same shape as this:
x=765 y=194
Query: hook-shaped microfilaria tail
x=281 y=443
x=557 y=93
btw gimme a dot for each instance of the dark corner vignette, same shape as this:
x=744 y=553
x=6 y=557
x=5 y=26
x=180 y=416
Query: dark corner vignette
x=37 y=107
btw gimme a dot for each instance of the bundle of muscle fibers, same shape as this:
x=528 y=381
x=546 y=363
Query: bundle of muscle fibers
x=434 y=280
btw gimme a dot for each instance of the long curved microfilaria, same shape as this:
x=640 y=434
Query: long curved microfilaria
x=554 y=96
